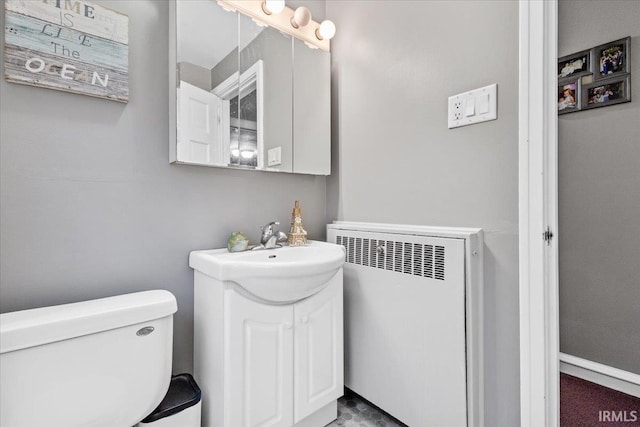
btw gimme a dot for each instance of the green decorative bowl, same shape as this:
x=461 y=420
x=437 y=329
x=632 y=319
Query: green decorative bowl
x=237 y=242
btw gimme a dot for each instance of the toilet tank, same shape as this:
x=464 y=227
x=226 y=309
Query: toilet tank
x=98 y=363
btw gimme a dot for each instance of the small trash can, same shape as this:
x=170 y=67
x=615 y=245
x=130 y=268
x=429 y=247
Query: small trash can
x=180 y=407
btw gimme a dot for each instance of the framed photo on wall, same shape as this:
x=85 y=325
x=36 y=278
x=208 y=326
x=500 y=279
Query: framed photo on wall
x=601 y=93
x=569 y=93
x=576 y=64
x=611 y=59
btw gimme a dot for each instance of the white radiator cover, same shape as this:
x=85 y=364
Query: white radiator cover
x=413 y=320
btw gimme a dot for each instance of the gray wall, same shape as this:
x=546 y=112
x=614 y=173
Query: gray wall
x=599 y=187
x=225 y=68
x=90 y=206
x=395 y=63
x=195 y=75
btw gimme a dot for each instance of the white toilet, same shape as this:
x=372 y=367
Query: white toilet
x=99 y=363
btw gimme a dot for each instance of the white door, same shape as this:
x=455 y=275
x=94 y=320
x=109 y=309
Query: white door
x=318 y=358
x=259 y=358
x=200 y=138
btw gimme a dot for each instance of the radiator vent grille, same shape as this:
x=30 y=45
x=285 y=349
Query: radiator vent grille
x=402 y=257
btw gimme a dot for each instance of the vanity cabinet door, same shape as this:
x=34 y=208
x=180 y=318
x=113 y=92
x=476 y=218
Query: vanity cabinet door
x=318 y=351
x=259 y=357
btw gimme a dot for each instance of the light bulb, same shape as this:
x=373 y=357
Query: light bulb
x=246 y=154
x=301 y=17
x=326 y=30
x=273 y=6
x=235 y=152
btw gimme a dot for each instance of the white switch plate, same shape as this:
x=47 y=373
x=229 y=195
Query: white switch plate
x=274 y=156
x=471 y=107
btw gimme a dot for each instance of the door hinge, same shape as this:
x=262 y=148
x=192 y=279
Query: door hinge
x=547 y=236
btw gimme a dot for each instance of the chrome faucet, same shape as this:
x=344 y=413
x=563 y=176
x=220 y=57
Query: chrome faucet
x=271 y=239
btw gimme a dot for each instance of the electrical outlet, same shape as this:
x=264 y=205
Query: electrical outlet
x=457 y=109
x=471 y=107
x=456 y=106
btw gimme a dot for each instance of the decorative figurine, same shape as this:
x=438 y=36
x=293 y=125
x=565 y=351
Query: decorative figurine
x=237 y=242
x=297 y=235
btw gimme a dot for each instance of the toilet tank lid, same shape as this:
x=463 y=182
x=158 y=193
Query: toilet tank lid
x=38 y=326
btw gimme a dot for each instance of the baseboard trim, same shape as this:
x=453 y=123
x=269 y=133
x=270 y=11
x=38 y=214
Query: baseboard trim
x=607 y=376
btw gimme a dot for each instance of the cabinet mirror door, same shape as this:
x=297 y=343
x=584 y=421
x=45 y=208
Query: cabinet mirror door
x=263 y=137
x=245 y=96
x=204 y=59
x=311 y=110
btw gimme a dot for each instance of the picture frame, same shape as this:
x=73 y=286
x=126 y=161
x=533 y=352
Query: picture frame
x=576 y=64
x=605 y=92
x=76 y=47
x=569 y=96
x=611 y=59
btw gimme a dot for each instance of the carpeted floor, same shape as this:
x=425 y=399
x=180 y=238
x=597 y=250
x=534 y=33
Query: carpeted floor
x=582 y=404
x=585 y=404
x=353 y=411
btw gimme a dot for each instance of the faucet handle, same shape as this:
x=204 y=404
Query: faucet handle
x=269 y=227
x=267 y=232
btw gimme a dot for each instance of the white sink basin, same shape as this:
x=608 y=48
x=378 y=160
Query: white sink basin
x=277 y=275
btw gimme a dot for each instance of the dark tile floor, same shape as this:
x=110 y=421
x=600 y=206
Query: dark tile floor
x=353 y=411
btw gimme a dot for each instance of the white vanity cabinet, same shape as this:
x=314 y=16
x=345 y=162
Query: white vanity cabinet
x=267 y=365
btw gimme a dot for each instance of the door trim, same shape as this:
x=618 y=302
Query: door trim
x=539 y=366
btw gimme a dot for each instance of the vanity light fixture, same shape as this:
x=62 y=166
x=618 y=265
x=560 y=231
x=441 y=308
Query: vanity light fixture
x=301 y=17
x=273 y=6
x=326 y=30
x=274 y=13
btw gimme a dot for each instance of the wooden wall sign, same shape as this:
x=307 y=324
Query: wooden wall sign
x=70 y=45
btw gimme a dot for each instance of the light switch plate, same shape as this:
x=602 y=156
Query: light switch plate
x=479 y=105
x=274 y=156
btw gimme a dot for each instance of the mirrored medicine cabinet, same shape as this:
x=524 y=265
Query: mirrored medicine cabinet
x=245 y=96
